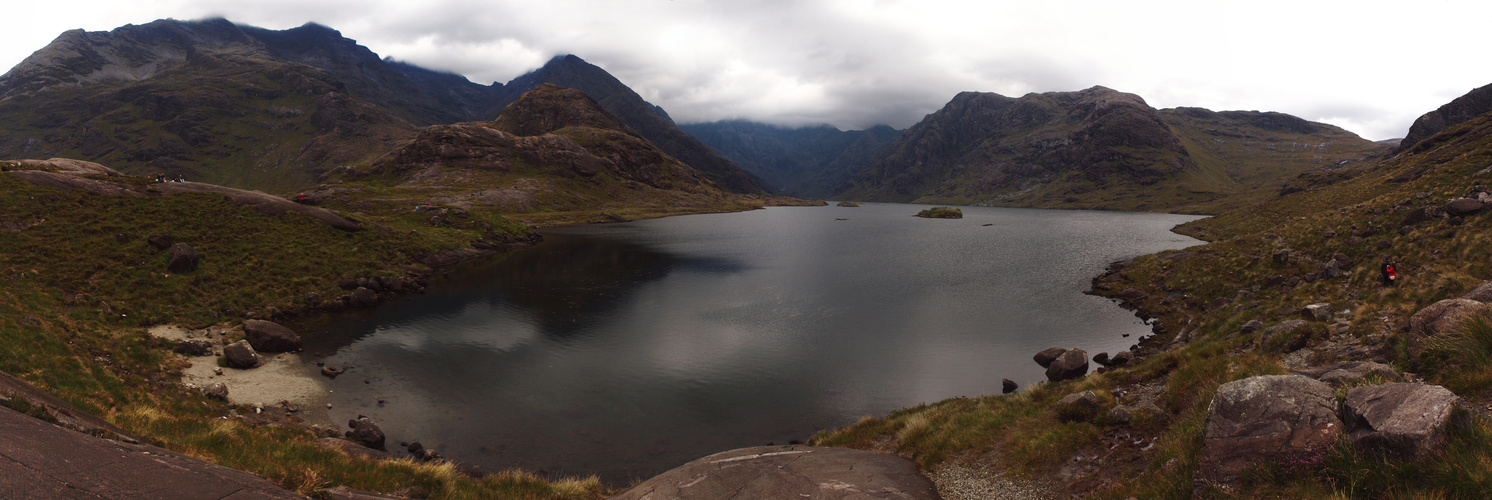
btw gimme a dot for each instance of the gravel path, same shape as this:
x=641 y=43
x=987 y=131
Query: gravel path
x=982 y=481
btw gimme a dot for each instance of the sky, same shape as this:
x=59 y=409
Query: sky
x=1368 y=66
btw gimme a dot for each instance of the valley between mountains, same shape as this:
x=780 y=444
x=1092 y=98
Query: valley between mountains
x=319 y=177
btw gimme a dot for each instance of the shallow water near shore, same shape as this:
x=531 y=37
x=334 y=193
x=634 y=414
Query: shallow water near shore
x=624 y=350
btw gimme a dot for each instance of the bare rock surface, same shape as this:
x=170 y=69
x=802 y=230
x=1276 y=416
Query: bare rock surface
x=241 y=355
x=1261 y=418
x=1346 y=372
x=41 y=460
x=807 y=472
x=1402 y=420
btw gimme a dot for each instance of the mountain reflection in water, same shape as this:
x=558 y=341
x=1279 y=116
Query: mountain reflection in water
x=624 y=350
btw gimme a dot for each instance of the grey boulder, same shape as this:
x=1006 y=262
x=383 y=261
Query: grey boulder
x=1046 y=356
x=1401 y=420
x=1072 y=364
x=241 y=355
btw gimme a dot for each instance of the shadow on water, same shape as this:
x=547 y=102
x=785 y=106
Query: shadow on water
x=559 y=285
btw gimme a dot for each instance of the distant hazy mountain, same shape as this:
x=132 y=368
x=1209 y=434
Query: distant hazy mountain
x=808 y=162
x=263 y=109
x=1097 y=148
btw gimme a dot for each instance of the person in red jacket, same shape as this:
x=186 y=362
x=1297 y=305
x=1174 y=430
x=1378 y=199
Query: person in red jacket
x=1390 y=275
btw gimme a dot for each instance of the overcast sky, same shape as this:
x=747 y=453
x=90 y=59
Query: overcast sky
x=1371 y=67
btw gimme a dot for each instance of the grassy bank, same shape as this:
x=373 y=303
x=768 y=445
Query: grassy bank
x=1321 y=243
x=81 y=282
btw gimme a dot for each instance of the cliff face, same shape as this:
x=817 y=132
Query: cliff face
x=808 y=161
x=1473 y=104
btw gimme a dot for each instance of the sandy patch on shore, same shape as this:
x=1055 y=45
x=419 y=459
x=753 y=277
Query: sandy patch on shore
x=279 y=378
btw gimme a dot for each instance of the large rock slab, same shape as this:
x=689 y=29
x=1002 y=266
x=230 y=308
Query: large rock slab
x=1257 y=419
x=1401 y=420
x=1072 y=364
x=267 y=336
x=807 y=472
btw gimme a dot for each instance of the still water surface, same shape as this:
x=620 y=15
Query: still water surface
x=624 y=350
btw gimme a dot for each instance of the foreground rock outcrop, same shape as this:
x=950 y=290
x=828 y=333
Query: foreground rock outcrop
x=1401 y=420
x=1265 y=418
x=789 y=472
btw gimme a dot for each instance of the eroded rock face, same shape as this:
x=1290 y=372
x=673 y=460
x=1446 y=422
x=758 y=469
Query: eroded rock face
x=1261 y=418
x=1073 y=363
x=268 y=336
x=1404 y=421
x=1047 y=356
x=241 y=355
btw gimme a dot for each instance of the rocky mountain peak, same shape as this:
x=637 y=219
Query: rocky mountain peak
x=1473 y=104
x=550 y=107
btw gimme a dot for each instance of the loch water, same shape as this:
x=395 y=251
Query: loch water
x=624 y=350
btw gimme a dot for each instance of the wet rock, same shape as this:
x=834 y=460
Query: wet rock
x=1047 y=356
x=364 y=297
x=194 y=347
x=1078 y=407
x=217 y=390
x=1008 y=386
x=268 y=336
x=241 y=355
x=421 y=453
x=183 y=259
x=160 y=241
x=1072 y=364
x=1317 y=312
x=1347 y=372
x=1403 y=421
x=366 y=433
x=1101 y=358
x=330 y=372
x=1253 y=421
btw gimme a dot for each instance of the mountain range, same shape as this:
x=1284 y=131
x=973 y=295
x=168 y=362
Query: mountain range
x=265 y=109
x=277 y=110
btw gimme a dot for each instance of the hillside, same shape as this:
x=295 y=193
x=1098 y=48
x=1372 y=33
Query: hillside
x=808 y=161
x=1097 y=149
x=1290 y=286
x=272 y=110
x=648 y=120
x=554 y=150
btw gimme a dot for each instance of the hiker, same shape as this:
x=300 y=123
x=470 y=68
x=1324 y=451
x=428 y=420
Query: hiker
x=161 y=177
x=1390 y=275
